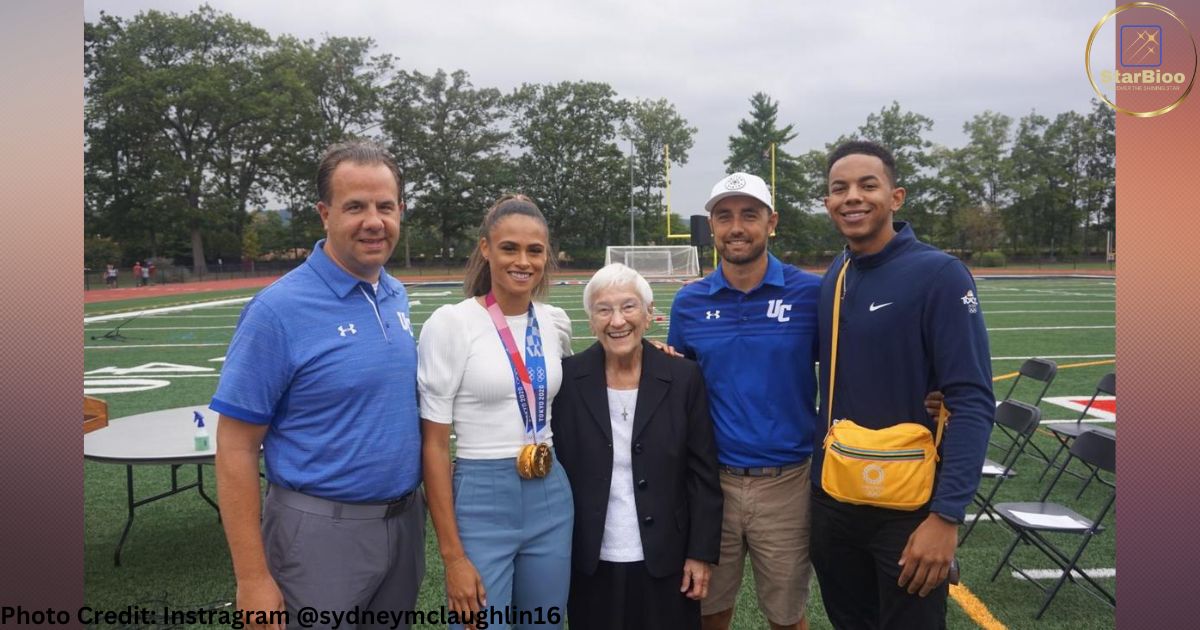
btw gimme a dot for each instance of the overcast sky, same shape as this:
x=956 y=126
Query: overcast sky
x=828 y=65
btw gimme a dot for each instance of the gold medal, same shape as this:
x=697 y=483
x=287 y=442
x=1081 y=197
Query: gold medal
x=534 y=461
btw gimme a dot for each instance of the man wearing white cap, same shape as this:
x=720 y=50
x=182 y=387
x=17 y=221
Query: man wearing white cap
x=752 y=326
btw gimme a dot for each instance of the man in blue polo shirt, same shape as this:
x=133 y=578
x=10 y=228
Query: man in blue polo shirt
x=321 y=373
x=752 y=326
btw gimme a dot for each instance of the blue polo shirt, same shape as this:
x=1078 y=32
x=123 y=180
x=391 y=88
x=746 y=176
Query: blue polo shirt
x=331 y=365
x=756 y=350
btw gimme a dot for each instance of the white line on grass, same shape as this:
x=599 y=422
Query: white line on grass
x=165 y=328
x=171 y=316
x=165 y=309
x=1054 y=574
x=987 y=302
x=101 y=378
x=988 y=312
x=1048 y=328
x=158 y=345
x=1063 y=293
x=1087 y=420
x=1059 y=356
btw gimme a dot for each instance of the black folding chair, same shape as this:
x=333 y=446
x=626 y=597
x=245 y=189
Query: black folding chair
x=1022 y=421
x=1042 y=371
x=1027 y=521
x=1066 y=433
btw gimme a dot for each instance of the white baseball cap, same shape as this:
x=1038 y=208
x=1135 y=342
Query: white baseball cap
x=740 y=184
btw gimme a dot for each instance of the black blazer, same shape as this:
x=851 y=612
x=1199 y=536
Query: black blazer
x=677 y=490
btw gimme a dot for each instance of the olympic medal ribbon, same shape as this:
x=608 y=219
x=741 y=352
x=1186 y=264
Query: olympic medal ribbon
x=529 y=375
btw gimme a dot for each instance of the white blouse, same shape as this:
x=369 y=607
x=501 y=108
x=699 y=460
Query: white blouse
x=622 y=541
x=465 y=378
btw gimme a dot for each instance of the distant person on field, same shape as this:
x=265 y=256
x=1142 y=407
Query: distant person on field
x=322 y=374
x=147 y=271
x=137 y=273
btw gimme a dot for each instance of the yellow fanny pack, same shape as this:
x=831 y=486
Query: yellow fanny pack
x=890 y=468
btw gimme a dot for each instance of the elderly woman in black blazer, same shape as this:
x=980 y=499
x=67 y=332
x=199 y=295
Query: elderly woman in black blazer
x=633 y=432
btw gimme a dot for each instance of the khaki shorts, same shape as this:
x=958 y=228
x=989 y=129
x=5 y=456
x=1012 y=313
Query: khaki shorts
x=769 y=517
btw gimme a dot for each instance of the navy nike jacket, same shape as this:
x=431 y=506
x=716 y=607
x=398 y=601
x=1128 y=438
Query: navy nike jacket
x=911 y=323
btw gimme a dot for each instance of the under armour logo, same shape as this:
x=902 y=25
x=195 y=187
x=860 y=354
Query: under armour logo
x=712 y=314
x=404 y=323
x=776 y=309
x=347 y=329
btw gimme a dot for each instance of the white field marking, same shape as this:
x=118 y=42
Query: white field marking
x=1064 y=293
x=166 y=309
x=157 y=317
x=1066 y=401
x=165 y=328
x=987 y=302
x=121 y=385
x=220 y=359
x=174 y=376
x=431 y=294
x=987 y=312
x=157 y=369
x=1054 y=574
x=1059 y=356
x=1048 y=328
x=1074 y=287
x=156 y=345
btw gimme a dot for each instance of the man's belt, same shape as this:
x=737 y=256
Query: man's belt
x=761 y=471
x=337 y=509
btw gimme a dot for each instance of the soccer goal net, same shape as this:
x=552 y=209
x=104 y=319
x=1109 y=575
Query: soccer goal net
x=657 y=261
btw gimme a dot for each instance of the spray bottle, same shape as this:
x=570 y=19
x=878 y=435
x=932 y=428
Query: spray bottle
x=201 y=432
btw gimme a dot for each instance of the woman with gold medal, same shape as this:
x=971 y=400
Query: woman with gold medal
x=489 y=367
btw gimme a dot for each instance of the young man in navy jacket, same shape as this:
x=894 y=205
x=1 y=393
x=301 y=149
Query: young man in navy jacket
x=910 y=323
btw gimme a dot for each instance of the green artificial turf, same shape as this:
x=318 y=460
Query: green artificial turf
x=176 y=553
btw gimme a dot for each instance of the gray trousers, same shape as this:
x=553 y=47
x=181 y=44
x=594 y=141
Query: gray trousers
x=338 y=557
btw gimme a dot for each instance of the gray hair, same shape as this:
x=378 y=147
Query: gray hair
x=617 y=275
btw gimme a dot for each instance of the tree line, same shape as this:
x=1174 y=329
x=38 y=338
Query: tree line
x=195 y=123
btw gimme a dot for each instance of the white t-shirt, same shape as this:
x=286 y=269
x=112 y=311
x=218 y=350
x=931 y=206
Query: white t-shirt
x=465 y=378
x=622 y=540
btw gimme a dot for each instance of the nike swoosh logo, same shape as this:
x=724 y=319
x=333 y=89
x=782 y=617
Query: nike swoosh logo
x=875 y=307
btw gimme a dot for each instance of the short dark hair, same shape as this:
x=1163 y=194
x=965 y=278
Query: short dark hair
x=864 y=147
x=359 y=152
x=478 y=276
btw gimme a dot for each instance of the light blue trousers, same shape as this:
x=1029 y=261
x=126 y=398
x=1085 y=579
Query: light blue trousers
x=517 y=533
